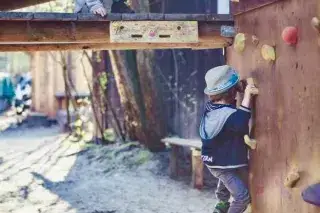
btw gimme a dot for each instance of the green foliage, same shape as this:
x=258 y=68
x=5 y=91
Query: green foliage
x=109 y=135
x=59 y=6
x=103 y=81
x=143 y=157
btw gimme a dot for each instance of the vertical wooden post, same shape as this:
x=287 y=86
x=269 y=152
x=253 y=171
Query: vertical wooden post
x=173 y=167
x=197 y=169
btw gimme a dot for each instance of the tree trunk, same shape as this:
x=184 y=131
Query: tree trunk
x=137 y=86
x=98 y=68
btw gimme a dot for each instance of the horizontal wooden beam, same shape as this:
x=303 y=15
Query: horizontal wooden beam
x=26 y=16
x=80 y=31
x=16 y=4
x=218 y=43
x=37 y=31
x=71 y=31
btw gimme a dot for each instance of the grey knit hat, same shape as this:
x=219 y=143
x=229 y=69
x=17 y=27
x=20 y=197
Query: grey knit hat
x=220 y=79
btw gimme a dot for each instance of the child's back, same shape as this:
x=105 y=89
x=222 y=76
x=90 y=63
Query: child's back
x=222 y=131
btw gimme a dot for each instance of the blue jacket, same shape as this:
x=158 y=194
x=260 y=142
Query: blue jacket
x=222 y=131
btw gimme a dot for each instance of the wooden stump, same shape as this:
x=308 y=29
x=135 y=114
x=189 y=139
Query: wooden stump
x=197 y=169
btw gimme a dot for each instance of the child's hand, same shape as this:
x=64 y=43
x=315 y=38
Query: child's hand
x=251 y=89
x=100 y=11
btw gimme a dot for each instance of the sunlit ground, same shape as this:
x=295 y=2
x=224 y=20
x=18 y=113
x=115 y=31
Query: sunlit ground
x=39 y=172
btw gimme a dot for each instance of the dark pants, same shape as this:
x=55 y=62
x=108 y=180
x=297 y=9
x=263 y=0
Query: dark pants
x=233 y=182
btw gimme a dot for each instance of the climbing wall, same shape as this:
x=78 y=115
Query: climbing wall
x=288 y=107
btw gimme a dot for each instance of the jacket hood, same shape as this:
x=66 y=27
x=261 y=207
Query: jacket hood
x=214 y=118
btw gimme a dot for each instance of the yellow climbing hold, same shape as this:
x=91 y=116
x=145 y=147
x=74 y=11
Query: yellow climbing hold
x=239 y=42
x=250 y=142
x=268 y=53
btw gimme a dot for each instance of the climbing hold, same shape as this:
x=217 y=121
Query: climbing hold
x=268 y=53
x=239 y=42
x=292 y=179
x=255 y=40
x=250 y=142
x=290 y=35
x=315 y=23
x=251 y=81
x=249 y=209
x=312 y=194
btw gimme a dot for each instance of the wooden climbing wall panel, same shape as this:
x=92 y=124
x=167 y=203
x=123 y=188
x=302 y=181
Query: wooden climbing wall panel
x=288 y=106
x=247 y=5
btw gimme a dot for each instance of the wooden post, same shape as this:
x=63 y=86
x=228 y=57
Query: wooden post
x=197 y=169
x=173 y=167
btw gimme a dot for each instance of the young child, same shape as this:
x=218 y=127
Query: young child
x=102 y=7
x=222 y=131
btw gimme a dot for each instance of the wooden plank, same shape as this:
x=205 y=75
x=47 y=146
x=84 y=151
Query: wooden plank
x=156 y=16
x=16 y=16
x=81 y=31
x=55 y=35
x=43 y=16
x=53 y=31
x=13 y=47
x=55 y=16
x=135 y=16
x=193 y=143
x=287 y=114
x=248 y=5
x=154 y=32
x=16 y=4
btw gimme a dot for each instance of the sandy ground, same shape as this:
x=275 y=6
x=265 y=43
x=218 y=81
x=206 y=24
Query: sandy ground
x=41 y=172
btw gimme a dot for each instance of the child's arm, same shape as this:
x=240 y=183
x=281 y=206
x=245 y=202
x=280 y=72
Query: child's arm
x=96 y=7
x=238 y=122
x=250 y=90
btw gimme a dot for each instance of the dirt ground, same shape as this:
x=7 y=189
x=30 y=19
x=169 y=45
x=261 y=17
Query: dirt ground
x=41 y=172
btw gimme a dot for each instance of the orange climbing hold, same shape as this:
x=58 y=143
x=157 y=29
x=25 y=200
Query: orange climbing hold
x=290 y=35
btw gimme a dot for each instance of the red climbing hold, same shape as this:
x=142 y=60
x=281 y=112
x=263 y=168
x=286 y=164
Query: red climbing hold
x=290 y=35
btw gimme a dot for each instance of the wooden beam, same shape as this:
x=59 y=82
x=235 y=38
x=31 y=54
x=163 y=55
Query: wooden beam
x=42 y=16
x=75 y=31
x=64 y=31
x=193 y=143
x=16 y=4
x=218 y=43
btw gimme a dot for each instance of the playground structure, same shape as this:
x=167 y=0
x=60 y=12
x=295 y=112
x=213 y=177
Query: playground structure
x=287 y=157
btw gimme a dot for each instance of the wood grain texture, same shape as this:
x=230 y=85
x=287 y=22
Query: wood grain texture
x=43 y=16
x=22 y=35
x=287 y=109
x=154 y=32
x=248 y=5
x=183 y=142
